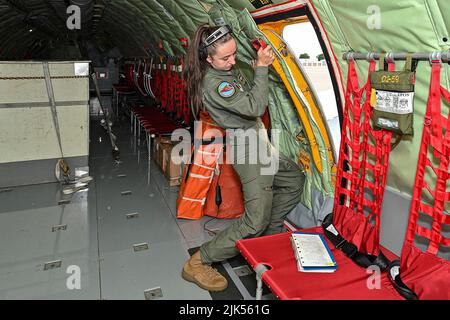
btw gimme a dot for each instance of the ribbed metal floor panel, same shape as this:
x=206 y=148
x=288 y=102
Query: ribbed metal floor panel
x=116 y=240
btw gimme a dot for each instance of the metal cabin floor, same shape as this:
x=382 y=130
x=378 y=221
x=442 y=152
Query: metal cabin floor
x=99 y=237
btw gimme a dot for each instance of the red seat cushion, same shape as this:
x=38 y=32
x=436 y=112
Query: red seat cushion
x=349 y=282
x=123 y=89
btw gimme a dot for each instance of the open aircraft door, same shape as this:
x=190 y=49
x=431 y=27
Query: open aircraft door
x=318 y=151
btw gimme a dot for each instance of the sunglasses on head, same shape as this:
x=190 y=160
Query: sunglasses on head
x=216 y=35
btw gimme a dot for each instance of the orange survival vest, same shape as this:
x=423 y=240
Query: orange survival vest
x=209 y=184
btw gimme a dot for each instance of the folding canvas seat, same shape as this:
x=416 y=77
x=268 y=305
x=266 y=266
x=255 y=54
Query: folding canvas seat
x=424 y=269
x=352 y=229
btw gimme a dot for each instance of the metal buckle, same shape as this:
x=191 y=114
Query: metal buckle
x=435 y=57
x=216 y=35
x=370 y=56
x=350 y=56
x=389 y=57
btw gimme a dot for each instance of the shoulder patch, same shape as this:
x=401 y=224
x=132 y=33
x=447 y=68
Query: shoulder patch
x=226 y=89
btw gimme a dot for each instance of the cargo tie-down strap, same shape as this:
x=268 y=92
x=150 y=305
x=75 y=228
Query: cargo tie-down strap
x=354 y=225
x=422 y=272
x=61 y=165
x=106 y=121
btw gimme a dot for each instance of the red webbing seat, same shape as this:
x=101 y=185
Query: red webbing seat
x=428 y=232
x=360 y=184
x=178 y=93
x=183 y=113
x=348 y=282
x=164 y=87
x=170 y=107
x=182 y=98
x=170 y=94
x=362 y=167
x=157 y=80
x=154 y=121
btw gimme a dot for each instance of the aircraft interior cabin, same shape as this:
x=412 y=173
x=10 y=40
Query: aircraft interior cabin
x=200 y=150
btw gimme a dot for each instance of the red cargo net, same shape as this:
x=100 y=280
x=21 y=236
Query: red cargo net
x=360 y=184
x=164 y=86
x=158 y=81
x=182 y=108
x=362 y=168
x=170 y=101
x=422 y=270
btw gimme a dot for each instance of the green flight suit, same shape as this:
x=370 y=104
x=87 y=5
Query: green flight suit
x=234 y=102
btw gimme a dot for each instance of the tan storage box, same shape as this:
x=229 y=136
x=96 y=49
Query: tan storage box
x=169 y=164
x=172 y=168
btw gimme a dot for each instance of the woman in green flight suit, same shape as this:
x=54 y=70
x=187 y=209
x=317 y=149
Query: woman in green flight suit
x=217 y=85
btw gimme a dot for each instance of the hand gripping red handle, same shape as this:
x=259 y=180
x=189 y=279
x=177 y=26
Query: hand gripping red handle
x=258 y=43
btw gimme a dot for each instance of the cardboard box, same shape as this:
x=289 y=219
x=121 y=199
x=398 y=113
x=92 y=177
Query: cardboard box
x=164 y=155
x=169 y=164
x=157 y=150
x=173 y=170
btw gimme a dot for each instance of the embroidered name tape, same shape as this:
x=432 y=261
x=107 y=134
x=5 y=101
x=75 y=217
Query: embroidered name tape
x=226 y=89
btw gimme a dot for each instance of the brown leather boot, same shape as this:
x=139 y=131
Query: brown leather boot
x=206 y=277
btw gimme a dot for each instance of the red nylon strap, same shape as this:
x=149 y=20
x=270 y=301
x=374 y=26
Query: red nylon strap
x=185 y=105
x=171 y=89
x=179 y=93
x=164 y=87
x=391 y=66
x=363 y=172
x=178 y=97
x=434 y=124
x=158 y=81
x=184 y=41
x=169 y=86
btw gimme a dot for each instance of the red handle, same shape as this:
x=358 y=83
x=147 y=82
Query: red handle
x=258 y=43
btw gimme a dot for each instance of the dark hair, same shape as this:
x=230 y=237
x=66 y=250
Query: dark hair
x=196 y=65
